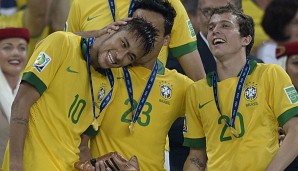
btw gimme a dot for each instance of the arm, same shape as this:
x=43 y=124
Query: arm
x=192 y=65
x=57 y=14
x=35 y=17
x=85 y=153
x=27 y=95
x=107 y=29
x=289 y=149
x=196 y=160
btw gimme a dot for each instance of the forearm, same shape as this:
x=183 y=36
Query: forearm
x=192 y=65
x=85 y=153
x=35 y=17
x=287 y=151
x=58 y=14
x=196 y=160
x=18 y=130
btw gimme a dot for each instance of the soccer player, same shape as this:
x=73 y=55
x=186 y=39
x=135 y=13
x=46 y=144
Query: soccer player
x=239 y=133
x=137 y=121
x=57 y=97
x=95 y=14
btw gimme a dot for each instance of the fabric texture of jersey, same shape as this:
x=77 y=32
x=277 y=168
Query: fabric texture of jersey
x=96 y=14
x=268 y=99
x=163 y=106
x=64 y=110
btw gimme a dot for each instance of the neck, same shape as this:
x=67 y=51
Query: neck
x=229 y=68
x=147 y=64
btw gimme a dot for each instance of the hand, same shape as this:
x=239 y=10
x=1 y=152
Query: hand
x=115 y=25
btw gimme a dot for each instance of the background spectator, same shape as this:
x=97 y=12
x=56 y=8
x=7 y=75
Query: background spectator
x=13 y=58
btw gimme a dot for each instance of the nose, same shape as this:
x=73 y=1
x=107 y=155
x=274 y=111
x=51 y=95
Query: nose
x=121 y=55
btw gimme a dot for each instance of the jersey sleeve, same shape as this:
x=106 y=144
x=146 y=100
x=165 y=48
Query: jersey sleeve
x=194 y=136
x=45 y=61
x=284 y=97
x=183 y=36
x=74 y=18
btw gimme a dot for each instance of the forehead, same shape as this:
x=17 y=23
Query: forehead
x=13 y=41
x=223 y=18
x=153 y=17
x=213 y=3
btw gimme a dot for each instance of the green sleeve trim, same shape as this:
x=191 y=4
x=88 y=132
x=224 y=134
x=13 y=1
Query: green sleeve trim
x=195 y=142
x=184 y=49
x=90 y=131
x=283 y=118
x=32 y=79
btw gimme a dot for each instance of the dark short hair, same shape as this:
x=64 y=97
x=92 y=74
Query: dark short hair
x=246 y=23
x=162 y=7
x=143 y=31
x=277 y=16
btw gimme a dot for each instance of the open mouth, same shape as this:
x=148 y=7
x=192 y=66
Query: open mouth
x=218 y=41
x=111 y=59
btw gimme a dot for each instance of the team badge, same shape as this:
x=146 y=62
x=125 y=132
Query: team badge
x=291 y=94
x=250 y=93
x=191 y=29
x=185 y=128
x=165 y=91
x=42 y=61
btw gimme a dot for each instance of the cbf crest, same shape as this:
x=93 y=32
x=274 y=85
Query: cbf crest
x=250 y=92
x=165 y=90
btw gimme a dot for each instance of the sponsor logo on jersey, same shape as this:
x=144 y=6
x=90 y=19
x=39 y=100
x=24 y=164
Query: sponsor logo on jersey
x=91 y=18
x=68 y=69
x=291 y=94
x=42 y=61
x=191 y=29
x=201 y=106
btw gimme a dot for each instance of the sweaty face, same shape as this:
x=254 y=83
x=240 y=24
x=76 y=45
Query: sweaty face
x=121 y=48
x=204 y=11
x=224 y=37
x=292 y=69
x=13 y=56
x=157 y=21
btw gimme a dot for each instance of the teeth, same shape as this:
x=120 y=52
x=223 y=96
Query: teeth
x=218 y=40
x=14 y=62
x=110 y=57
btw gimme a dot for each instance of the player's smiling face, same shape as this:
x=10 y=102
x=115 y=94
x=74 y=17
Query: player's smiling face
x=224 y=37
x=119 y=49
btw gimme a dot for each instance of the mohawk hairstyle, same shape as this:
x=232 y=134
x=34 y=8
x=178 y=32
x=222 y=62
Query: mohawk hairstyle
x=162 y=7
x=143 y=31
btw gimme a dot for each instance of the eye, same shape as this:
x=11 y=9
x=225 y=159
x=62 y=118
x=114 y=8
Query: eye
x=7 y=47
x=210 y=28
x=131 y=57
x=225 y=26
x=123 y=44
x=22 y=48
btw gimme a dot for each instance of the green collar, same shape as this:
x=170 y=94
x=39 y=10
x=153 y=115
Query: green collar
x=252 y=64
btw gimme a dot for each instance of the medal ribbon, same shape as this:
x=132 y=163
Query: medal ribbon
x=110 y=77
x=145 y=93
x=243 y=75
x=113 y=9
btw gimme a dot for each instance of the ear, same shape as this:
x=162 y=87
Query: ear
x=167 y=40
x=246 y=40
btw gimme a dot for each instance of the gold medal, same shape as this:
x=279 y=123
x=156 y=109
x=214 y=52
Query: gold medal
x=95 y=124
x=131 y=127
x=234 y=132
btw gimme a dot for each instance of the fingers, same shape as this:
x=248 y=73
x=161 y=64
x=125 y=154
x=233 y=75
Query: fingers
x=99 y=166
x=115 y=25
